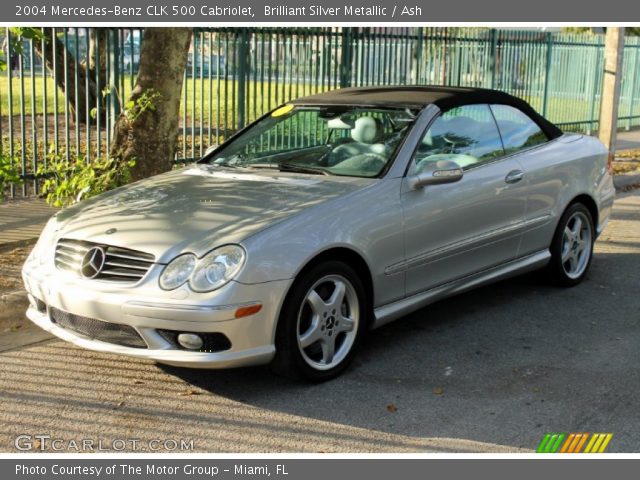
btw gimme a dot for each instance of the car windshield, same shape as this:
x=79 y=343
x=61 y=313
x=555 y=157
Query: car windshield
x=332 y=140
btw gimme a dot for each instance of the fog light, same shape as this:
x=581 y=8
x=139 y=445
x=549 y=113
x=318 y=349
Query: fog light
x=190 y=341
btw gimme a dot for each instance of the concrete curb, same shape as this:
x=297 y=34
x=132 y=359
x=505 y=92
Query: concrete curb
x=626 y=180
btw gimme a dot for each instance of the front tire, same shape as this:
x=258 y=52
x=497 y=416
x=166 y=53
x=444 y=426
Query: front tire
x=572 y=246
x=321 y=324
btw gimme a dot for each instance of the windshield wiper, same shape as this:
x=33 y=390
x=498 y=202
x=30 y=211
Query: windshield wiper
x=292 y=167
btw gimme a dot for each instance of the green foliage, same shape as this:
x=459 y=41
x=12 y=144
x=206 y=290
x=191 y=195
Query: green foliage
x=70 y=182
x=146 y=101
x=8 y=174
x=16 y=47
x=132 y=109
x=28 y=33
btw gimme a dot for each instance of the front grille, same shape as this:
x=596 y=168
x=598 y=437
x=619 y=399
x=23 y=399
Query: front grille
x=97 y=329
x=121 y=264
x=212 y=341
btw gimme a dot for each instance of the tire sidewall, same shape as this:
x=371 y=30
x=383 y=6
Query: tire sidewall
x=289 y=360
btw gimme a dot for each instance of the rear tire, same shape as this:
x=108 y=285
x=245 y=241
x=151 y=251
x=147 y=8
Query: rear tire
x=321 y=324
x=572 y=247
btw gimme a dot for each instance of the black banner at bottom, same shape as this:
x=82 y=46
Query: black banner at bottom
x=596 y=467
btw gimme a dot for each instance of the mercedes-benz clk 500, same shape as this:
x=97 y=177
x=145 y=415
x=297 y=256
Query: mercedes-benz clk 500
x=327 y=217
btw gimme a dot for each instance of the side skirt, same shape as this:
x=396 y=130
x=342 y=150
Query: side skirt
x=393 y=311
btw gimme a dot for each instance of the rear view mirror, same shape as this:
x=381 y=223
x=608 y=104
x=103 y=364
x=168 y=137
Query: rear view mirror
x=436 y=173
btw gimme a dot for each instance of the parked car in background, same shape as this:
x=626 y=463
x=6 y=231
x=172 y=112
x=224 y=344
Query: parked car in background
x=328 y=216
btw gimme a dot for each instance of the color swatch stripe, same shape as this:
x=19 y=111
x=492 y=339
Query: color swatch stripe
x=574 y=442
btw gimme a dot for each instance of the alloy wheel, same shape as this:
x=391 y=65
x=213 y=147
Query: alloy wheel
x=327 y=322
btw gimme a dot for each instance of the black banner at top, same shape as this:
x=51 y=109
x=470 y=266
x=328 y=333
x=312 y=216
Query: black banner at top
x=207 y=12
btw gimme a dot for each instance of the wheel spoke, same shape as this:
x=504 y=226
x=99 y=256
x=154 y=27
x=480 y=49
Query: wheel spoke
x=312 y=335
x=328 y=349
x=568 y=235
x=345 y=325
x=316 y=303
x=573 y=263
x=577 y=227
x=566 y=253
x=337 y=297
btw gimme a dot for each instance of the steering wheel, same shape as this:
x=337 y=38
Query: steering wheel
x=340 y=153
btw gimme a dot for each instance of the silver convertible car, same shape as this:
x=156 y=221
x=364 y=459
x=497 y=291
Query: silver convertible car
x=327 y=217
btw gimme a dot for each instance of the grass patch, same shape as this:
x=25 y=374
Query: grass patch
x=201 y=98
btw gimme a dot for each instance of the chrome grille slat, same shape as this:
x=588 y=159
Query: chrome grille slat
x=121 y=265
x=128 y=257
x=70 y=256
x=124 y=265
x=107 y=272
x=75 y=248
x=131 y=254
x=66 y=264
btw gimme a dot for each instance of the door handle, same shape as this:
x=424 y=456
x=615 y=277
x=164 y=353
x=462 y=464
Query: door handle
x=514 y=176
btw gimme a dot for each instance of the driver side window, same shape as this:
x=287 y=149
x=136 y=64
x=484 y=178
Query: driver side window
x=466 y=135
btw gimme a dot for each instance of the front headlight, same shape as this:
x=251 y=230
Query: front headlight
x=177 y=271
x=217 y=268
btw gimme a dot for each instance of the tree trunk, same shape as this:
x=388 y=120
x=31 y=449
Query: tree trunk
x=98 y=53
x=149 y=134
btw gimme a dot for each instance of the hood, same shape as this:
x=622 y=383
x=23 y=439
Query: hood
x=197 y=208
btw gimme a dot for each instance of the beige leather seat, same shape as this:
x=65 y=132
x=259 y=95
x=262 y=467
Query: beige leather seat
x=366 y=151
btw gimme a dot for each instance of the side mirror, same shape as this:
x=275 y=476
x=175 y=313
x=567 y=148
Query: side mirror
x=436 y=173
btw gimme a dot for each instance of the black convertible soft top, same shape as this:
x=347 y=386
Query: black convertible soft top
x=419 y=96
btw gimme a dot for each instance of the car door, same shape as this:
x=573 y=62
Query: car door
x=456 y=229
x=545 y=170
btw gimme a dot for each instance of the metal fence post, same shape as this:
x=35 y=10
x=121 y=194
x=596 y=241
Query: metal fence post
x=493 y=36
x=417 y=56
x=634 y=83
x=547 y=73
x=243 y=71
x=114 y=77
x=345 y=58
x=10 y=104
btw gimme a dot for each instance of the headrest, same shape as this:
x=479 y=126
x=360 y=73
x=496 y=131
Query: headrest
x=339 y=123
x=367 y=130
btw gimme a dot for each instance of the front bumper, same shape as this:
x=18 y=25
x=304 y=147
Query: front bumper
x=149 y=311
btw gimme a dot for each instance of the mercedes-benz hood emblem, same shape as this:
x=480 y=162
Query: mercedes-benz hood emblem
x=92 y=262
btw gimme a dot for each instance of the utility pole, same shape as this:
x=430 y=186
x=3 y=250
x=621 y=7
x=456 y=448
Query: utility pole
x=613 y=53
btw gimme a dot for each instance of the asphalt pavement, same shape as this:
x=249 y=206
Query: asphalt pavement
x=490 y=370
